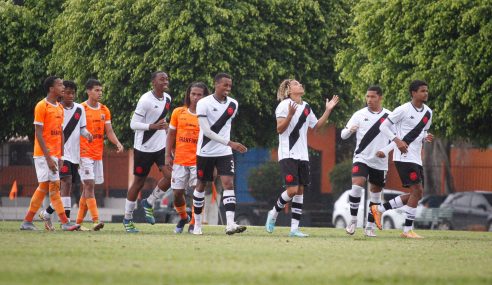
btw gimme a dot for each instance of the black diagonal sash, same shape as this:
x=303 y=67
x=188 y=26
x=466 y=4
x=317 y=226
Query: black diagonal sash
x=148 y=134
x=72 y=123
x=220 y=123
x=415 y=132
x=294 y=135
x=371 y=134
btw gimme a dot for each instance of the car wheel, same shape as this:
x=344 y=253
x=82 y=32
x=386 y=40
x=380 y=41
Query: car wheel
x=388 y=224
x=340 y=223
x=444 y=226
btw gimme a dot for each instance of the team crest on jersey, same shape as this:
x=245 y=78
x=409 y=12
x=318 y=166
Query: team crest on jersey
x=230 y=111
x=103 y=117
x=306 y=112
x=382 y=120
x=425 y=119
x=168 y=106
x=413 y=176
x=76 y=116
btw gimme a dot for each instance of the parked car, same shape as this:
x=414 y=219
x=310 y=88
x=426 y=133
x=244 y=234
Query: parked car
x=428 y=213
x=393 y=219
x=469 y=210
x=164 y=211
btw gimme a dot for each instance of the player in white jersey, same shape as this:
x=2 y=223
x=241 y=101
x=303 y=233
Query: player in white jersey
x=411 y=122
x=366 y=166
x=74 y=125
x=214 y=150
x=149 y=123
x=294 y=117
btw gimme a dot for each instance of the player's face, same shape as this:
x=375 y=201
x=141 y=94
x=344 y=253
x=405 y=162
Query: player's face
x=422 y=94
x=373 y=100
x=223 y=87
x=68 y=96
x=161 y=82
x=95 y=93
x=296 y=88
x=58 y=87
x=196 y=94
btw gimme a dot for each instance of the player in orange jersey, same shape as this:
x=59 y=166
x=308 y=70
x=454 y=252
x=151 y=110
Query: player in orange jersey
x=91 y=165
x=182 y=141
x=48 y=151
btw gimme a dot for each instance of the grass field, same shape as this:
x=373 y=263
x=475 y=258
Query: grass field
x=158 y=256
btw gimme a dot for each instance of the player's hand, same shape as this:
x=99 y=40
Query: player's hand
x=119 y=148
x=51 y=164
x=429 y=138
x=237 y=147
x=169 y=162
x=292 y=109
x=401 y=145
x=90 y=137
x=354 y=128
x=330 y=104
x=160 y=125
x=380 y=154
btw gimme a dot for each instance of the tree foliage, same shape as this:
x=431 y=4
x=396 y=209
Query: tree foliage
x=258 y=42
x=446 y=43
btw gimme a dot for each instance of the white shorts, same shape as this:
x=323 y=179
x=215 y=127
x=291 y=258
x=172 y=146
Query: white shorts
x=91 y=170
x=43 y=172
x=183 y=177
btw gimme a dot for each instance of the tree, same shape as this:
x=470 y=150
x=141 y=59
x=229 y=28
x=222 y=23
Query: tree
x=258 y=42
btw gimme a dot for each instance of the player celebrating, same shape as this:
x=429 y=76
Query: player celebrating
x=91 y=164
x=182 y=141
x=365 y=123
x=214 y=150
x=294 y=116
x=149 y=123
x=48 y=151
x=412 y=120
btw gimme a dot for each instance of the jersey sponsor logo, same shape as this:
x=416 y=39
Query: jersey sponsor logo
x=289 y=178
x=220 y=123
x=413 y=176
x=55 y=132
x=188 y=140
x=371 y=134
x=294 y=135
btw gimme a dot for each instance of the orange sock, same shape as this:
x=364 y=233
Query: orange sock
x=56 y=201
x=181 y=211
x=36 y=201
x=82 y=210
x=92 y=205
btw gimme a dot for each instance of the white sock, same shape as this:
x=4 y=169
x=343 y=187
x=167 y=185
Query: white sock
x=354 y=196
x=375 y=197
x=229 y=200
x=198 y=204
x=156 y=194
x=129 y=208
x=280 y=204
x=296 y=212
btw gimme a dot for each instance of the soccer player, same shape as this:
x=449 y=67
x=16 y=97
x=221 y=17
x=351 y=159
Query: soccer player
x=149 y=123
x=74 y=125
x=365 y=124
x=294 y=117
x=182 y=141
x=48 y=151
x=411 y=121
x=214 y=150
x=91 y=164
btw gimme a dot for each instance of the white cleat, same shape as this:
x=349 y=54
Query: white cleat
x=234 y=229
x=46 y=218
x=350 y=229
x=369 y=232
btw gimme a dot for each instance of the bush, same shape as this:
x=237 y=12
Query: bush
x=341 y=177
x=265 y=182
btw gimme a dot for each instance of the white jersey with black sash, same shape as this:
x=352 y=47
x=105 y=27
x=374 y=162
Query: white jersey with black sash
x=411 y=125
x=219 y=115
x=369 y=139
x=73 y=121
x=292 y=143
x=150 y=110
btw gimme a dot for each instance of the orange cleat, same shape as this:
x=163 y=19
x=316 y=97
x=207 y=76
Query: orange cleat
x=377 y=216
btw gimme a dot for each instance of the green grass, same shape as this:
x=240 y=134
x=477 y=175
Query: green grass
x=157 y=256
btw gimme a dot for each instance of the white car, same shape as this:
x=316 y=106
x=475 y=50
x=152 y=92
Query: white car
x=393 y=219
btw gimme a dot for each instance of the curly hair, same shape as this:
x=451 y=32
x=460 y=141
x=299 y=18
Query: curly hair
x=203 y=86
x=283 y=91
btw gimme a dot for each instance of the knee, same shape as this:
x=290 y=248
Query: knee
x=228 y=185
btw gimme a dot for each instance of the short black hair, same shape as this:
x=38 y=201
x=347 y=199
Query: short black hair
x=415 y=85
x=221 y=75
x=376 y=88
x=154 y=74
x=49 y=82
x=91 y=83
x=70 y=84
x=202 y=85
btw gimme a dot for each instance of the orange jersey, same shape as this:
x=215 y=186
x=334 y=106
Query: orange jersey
x=187 y=130
x=50 y=116
x=96 y=122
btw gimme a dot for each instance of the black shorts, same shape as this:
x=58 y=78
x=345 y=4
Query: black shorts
x=295 y=172
x=143 y=161
x=70 y=169
x=205 y=166
x=376 y=177
x=410 y=173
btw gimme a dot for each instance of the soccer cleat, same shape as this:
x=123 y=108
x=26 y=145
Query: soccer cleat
x=129 y=226
x=69 y=227
x=411 y=234
x=235 y=229
x=46 y=218
x=197 y=231
x=190 y=228
x=298 y=233
x=270 y=222
x=369 y=232
x=377 y=216
x=97 y=226
x=350 y=229
x=83 y=229
x=149 y=212
x=180 y=225
x=28 y=226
